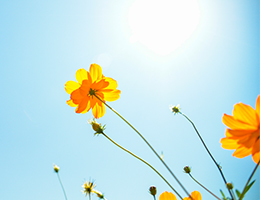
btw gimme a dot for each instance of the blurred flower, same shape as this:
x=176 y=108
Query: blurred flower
x=91 y=84
x=56 y=168
x=187 y=169
x=153 y=190
x=167 y=196
x=195 y=196
x=100 y=195
x=243 y=133
x=88 y=188
x=175 y=109
x=96 y=126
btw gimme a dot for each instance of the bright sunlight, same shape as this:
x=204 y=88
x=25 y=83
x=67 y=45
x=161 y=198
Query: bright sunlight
x=163 y=25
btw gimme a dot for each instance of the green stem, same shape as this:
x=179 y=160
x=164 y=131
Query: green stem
x=147 y=144
x=143 y=162
x=219 y=168
x=62 y=186
x=203 y=186
x=251 y=176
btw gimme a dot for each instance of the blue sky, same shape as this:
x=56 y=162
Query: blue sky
x=43 y=43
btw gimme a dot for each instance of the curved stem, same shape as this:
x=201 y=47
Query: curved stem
x=249 y=179
x=62 y=186
x=147 y=144
x=219 y=168
x=204 y=187
x=143 y=162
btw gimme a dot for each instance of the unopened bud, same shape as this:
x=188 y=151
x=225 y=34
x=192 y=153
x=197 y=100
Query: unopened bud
x=96 y=126
x=187 y=169
x=56 y=168
x=175 y=109
x=229 y=186
x=153 y=190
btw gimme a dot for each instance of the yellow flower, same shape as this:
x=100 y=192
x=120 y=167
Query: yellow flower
x=88 y=188
x=243 y=133
x=167 y=196
x=90 y=85
x=195 y=196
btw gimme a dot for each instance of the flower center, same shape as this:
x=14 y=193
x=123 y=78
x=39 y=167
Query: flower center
x=92 y=92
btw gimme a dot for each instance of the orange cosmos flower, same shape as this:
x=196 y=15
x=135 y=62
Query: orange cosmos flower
x=243 y=133
x=195 y=196
x=91 y=84
x=167 y=196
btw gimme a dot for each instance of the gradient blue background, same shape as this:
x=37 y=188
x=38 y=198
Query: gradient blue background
x=43 y=43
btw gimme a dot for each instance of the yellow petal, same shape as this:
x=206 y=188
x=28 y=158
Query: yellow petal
x=81 y=75
x=229 y=143
x=112 y=96
x=256 y=151
x=167 y=196
x=95 y=72
x=112 y=83
x=98 y=110
x=232 y=123
x=70 y=103
x=70 y=86
x=245 y=113
x=196 y=195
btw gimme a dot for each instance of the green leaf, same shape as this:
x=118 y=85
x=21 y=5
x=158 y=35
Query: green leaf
x=246 y=190
x=224 y=197
x=238 y=193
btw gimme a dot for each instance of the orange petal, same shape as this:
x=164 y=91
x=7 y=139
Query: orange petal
x=70 y=86
x=239 y=133
x=196 y=195
x=70 y=103
x=256 y=151
x=257 y=108
x=95 y=72
x=236 y=124
x=76 y=97
x=84 y=104
x=242 y=152
x=81 y=75
x=99 y=85
x=167 y=196
x=245 y=113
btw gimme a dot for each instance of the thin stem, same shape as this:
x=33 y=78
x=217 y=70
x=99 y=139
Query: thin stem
x=219 y=168
x=147 y=144
x=251 y=176
x=143 y=162
x=62 y=186
x=203 y=186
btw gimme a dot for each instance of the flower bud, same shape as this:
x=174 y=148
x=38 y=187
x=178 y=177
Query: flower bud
x=153 y=190
x=229 y=186
x=96 y=126
x=56 y=168
x=187 y=169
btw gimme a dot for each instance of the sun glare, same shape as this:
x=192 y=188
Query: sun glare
x=163 y=25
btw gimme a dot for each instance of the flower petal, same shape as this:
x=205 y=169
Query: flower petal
x=228 y=143
x=84 y=105
x=81 y=75
x=232 y=123
x=70 y=103
x=245 y=113
x=112 y=83
x=111 y=95
x=240 y=133
x=70 y=86
x=242 y=152
x=196 y=195
x=98 y=110
x=257 y=108
x=167 y=196
x=95 y=72
x=76 y=97
x=256 y=151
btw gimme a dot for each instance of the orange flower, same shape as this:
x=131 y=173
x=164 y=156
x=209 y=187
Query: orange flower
x=91 y=84
x=243 y=133
x=195 y=196
x=167 y=196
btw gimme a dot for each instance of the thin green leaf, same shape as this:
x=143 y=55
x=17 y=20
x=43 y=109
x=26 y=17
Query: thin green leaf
x=249 y=186
x=238 y=193
x=224 y=197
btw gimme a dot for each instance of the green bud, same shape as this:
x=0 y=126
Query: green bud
x=187 y=169
x=153 y=190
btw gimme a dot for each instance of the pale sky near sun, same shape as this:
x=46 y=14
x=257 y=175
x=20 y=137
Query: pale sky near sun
x=203 y=55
